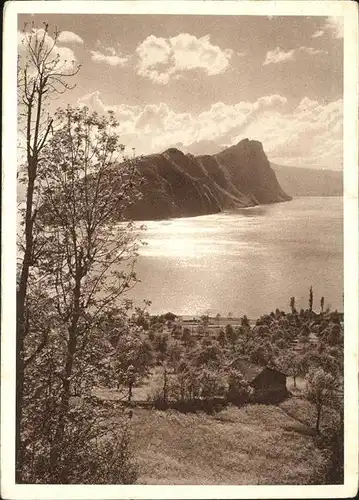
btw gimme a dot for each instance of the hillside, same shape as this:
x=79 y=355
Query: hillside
x=255 y=444
x=308 y=181
x=183 y=185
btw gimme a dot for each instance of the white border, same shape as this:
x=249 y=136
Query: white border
x=9 y=490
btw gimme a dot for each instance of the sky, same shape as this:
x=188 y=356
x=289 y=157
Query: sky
x=203 y=83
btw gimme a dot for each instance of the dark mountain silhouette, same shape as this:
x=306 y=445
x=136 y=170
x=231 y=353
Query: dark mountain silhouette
x=182 y=185
x=309 y=181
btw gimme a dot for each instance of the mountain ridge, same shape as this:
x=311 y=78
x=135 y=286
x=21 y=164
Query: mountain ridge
x=302 y=181
x=183 y=185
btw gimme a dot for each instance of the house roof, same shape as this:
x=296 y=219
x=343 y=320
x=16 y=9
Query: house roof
x=249 y=370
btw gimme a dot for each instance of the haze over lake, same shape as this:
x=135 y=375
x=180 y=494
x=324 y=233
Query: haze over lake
x=247 y=262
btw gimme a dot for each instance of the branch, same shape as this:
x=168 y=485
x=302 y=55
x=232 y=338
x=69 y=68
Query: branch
x=39 y=348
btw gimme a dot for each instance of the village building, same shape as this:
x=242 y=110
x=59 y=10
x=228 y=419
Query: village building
x=268 y=384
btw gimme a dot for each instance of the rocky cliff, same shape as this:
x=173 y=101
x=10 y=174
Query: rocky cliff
x=179 y=185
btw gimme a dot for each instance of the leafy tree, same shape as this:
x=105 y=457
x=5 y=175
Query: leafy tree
x=142 y=317
x=132 y=359
x=188 y=382
x=221 y=337
x=207 y=353
x=238 y=388
x=205 y=320
x=231 y=335
x=169 y=316
x=292 y=364
x=245 y=321
x=321 y=357
x=261 y=353
x=87 y=261
x=212 y=383
x=176 y=331
x=321 y=389
x=186 y=336
x=160 y=345
x=42 y=75
x=292 y=305
x=175 y=353
x=333 y=334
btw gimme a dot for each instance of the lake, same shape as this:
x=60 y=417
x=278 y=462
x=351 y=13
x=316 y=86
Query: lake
x=245 y=262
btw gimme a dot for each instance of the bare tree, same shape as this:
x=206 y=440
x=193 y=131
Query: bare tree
x=42 y=74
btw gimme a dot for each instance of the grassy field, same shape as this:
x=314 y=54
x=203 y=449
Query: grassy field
x=255 y=444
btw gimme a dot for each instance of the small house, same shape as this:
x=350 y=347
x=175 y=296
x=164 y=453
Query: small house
x=268 y=384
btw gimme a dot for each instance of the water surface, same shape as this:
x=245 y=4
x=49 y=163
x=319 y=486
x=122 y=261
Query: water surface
x=245 y=262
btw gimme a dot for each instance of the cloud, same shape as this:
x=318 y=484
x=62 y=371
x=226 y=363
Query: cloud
x=161 y=59
x=111 y=57
x=93 y=102
x=308 y=134
x=69 y=37
x=311 y=135
x=64 y=56
x=318 y=34
x=335 y=25
x=278 y=56
x=311 y=51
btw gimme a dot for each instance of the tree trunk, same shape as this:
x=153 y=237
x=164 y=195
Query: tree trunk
x=165 y=385
x=295 y=381
x=317 y=426
x=130 y=385
x=60 y=473
x=20 y=325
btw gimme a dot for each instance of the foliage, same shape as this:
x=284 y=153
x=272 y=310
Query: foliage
x=292 y=305
x=311 y=299
x=41 y=76
x=132 y=350
x=292 y=364
x=238 y=388
x=321 y=389
x=85 y=262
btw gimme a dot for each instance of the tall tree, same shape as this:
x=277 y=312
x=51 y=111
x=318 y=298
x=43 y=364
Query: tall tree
x=43 y=73
x=87 y=263
x=311 y=299
x=90 y=253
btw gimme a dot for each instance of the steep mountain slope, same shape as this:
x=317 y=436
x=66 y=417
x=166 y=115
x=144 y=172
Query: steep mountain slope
x=179 y=185
x=309 y=181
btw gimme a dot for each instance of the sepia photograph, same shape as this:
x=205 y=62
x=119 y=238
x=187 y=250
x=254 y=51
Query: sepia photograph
x=180 y=249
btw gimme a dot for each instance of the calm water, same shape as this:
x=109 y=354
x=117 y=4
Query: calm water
x=247 y=262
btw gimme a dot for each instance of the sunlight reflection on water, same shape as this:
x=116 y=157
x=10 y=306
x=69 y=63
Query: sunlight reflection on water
x=249 y=261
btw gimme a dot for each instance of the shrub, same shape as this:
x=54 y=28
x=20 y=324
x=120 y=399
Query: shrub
x=238 y=388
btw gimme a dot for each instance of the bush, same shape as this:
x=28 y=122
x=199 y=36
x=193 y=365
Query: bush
x=238 y=388
x=87 y=452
